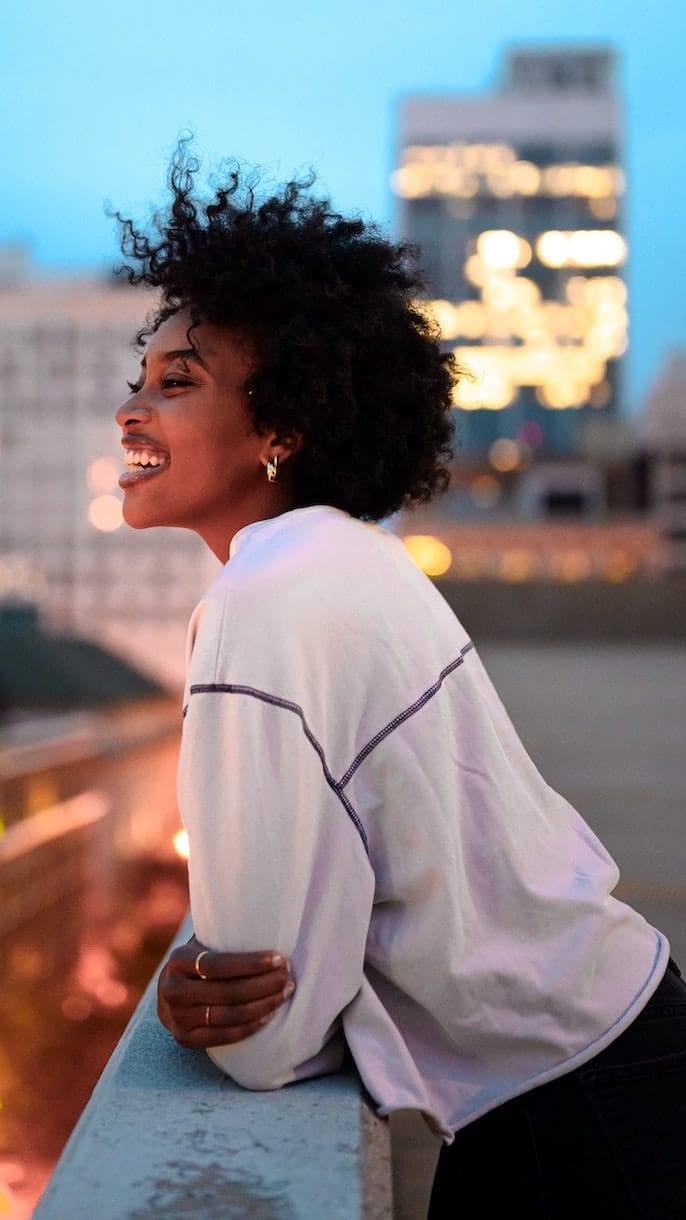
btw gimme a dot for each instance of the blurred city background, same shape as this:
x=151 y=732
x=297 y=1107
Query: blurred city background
x=536 y=160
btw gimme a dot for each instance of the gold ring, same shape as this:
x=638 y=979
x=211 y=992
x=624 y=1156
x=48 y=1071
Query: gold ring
x=208 y=1010
x=198 y=971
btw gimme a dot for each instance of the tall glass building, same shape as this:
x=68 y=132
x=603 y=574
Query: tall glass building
x=515 y=200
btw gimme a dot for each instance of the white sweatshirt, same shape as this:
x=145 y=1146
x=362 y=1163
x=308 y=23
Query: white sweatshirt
x=356 y=797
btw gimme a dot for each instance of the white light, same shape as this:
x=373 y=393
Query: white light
x=181 y=844
x=499 y=249
x=488 y=387
x=105 y=513
x=447 y=316
x=553 y=249
x=582 y=248
x=597 y=248
x=103 y=474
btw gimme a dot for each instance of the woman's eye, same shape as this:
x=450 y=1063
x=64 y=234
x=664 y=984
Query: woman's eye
x=167 y=383
x=172 y=383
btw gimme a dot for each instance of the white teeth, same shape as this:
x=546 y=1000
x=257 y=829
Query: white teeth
x=141 y=457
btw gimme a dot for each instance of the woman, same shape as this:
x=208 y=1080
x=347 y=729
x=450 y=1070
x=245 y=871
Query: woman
x=374 y=859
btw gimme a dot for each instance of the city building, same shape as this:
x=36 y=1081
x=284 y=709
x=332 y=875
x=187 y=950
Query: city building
x=65 y=356
x=514 y=198
x=663 y=431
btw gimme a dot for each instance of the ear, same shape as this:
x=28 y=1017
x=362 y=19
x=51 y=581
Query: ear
x=281 y=446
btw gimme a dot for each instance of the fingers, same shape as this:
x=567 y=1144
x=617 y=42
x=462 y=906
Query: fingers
x=227 y=1016
x=182 y=991
x=205 y=1039
x=241 y=992
x=218 y=1024
x=232 y=992
x=216 y=965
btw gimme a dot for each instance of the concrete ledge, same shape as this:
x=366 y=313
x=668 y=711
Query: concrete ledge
x=167 y=1134
x=647 y=611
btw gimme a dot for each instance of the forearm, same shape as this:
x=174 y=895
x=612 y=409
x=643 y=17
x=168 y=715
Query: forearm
x=262 y=1062
x=274 y=860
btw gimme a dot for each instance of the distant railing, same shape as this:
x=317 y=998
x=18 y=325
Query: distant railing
x=166 y=1134
x=82 y=795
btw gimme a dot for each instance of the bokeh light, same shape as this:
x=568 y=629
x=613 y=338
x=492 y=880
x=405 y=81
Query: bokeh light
x=572 y=566
x=517 y=564
x=430 y=554
x=485 y=491
x=76 y=1008
x=181 y=846
x=103 y=475
x=105 y=513
x=505 y=455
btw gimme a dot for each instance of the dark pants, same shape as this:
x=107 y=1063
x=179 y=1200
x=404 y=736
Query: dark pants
x=605 y=1142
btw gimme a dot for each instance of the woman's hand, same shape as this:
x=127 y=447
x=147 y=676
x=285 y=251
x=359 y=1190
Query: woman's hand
x=240 y=993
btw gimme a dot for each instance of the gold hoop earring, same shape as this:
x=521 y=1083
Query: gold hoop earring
x=273 y=469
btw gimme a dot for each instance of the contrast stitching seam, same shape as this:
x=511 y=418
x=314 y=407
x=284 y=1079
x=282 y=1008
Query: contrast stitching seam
x=276 y=701
x=405 y=715
x=336 y=786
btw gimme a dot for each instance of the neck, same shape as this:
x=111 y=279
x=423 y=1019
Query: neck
x=270 y=501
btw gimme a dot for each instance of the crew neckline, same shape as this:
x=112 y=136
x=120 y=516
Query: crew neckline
x=254 y=527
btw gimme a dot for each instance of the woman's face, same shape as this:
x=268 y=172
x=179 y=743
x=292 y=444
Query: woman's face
x=193 y=457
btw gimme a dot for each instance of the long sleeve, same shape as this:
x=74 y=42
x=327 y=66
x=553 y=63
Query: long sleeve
x=357 y=798
x=276 y=862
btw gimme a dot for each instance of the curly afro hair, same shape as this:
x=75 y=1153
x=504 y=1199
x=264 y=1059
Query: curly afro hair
x=346 y=357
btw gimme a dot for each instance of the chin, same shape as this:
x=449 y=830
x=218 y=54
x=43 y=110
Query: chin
x=137 y=519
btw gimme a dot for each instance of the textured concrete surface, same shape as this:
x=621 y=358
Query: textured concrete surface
x=166 y=1134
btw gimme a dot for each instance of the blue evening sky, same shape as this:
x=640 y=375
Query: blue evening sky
x=93 y=95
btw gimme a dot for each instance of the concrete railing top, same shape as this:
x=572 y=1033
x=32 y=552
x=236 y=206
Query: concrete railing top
x=166 y=1134
x=40 y=742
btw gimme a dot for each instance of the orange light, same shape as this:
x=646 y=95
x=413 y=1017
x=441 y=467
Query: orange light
x=430 y=554
x=485 y=490
x=504 y=455
x=619 y=566
x=572 y=566
x=517 y=564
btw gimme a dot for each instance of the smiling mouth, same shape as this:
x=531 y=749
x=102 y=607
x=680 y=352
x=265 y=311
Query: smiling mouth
x=142 y=464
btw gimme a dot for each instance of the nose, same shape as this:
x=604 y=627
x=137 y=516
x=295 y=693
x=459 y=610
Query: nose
x=132 y=412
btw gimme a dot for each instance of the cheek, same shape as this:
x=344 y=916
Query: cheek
x=230 y=454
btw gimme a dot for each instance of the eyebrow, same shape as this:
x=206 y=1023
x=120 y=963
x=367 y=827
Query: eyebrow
x=181 y=353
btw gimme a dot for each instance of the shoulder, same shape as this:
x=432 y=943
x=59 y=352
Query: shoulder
x=306 y=539
x=311 y=559
x=322 y=589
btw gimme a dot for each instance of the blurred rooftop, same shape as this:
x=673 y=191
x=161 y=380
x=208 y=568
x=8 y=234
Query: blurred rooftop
x=40 y=670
